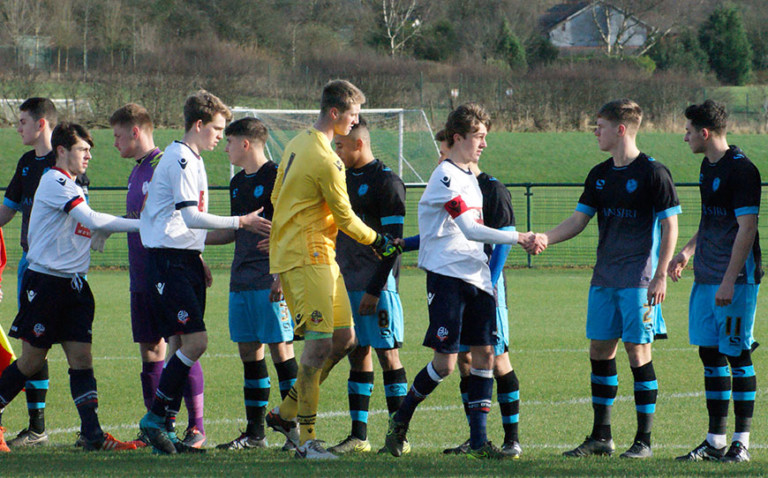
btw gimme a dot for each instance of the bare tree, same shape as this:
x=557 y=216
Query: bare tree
x=14 y=19
x=618 y=22
x=113 y=28
x=63 y=30
x=401 y=22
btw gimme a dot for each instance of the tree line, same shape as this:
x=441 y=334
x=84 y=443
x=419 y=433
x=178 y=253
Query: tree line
x=402 y=52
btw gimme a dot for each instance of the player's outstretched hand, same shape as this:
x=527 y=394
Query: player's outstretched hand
x=676 y=266
x=99 y=239
x=525 y=240
x=254 y=223
x=540 y=243
x=385 y=246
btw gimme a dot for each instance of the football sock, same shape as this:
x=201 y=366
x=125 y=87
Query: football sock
x=82 y=384
x=11 y=383
x=744 y=389
x=359 y=389
x=605 y=384
x=395 y=388
x=646 y=390
x=37 y=388
x=289 y=407
x=286 y=375
x=463 y=387
x=308 y=388
x=150 y=378
x=425 y=382
x=171 y=382
x=480 y=393
x=717 y=387
x=508 y=395
x=171 y=411
x=194 y=397
x=256 y=392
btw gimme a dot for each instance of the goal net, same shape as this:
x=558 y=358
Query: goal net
x=401 y=138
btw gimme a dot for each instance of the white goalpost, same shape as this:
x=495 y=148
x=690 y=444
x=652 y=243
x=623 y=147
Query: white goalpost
x=401 y=138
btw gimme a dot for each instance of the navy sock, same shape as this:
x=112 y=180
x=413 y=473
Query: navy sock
x=717 y=386
x=646 y=390
x=82 y=384
x=463 y=388
x=286 y=375
x=395 y=388
x=425 y=383
x=256 y=393
x=744 y=390
x=171 y=386
x=359 y=390
x=480 y=393
x=37 y=389
x=11 y=383
x=508 y=395
x=605 y=385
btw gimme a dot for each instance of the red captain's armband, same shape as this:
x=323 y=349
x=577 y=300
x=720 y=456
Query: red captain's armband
x=456 y=207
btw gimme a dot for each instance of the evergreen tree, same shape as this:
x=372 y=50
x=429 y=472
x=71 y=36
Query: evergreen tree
x=681 y=52
x=510 y=49
x=725 y=40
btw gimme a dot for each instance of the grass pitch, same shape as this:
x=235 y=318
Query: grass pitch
x=548 y=350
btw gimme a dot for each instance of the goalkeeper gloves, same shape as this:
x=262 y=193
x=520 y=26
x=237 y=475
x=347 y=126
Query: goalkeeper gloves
x=385 y=247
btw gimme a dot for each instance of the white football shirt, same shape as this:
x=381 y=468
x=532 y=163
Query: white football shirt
x=58 y=243
x=451 y=192
x=179 y=181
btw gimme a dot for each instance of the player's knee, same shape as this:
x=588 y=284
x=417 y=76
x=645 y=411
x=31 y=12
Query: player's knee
x=743 y=360
x=711 y=357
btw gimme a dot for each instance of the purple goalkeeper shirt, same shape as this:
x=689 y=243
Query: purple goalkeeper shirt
x=138 y=185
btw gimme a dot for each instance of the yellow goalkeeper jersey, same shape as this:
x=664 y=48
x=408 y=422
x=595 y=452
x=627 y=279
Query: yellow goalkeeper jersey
x=311 y=204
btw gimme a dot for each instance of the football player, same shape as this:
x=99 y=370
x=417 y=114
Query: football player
x=258 y=314
x=727 y=271
x=173 y=225
x=637 y=207
x=377 y=196
x=311 y=205
x=132 y=128
x=59 y=235
x=459 y=289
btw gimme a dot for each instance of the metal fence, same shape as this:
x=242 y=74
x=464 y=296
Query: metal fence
x=538 y=207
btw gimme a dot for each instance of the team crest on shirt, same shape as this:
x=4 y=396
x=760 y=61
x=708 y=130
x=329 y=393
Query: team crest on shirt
x=38 y=330
x=631 y=185
x=316 y=317
x=362 y=190
x=183 y=163
x=446 y=181
x=258 y=191
x=160 y=286
x=600 y=184
x=716 y=184
x=31 y=295
x=182 y=316
x=442 y=334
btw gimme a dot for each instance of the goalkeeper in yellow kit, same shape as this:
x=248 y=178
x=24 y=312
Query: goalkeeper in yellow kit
x=311 y=204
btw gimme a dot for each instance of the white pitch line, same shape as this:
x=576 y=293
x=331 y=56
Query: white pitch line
x=423 y=409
